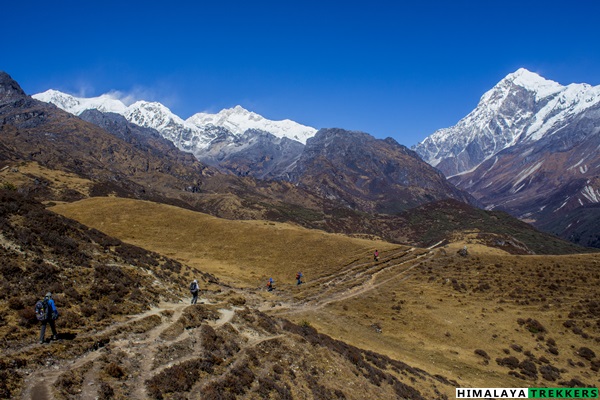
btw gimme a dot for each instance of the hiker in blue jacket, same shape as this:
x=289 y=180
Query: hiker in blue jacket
x=51 y=316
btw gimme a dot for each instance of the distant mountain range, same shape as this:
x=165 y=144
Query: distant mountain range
x=193 y=134
x=352 y=168
x=531 y=148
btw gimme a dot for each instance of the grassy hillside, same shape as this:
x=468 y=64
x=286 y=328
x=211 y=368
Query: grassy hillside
x=241 y=252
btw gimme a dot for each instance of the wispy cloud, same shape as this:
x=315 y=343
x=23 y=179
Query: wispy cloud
x=137 y=93
x=83 y=88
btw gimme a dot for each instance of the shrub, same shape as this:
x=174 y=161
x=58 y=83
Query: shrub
x=277 y=369
x=482 y=353
x=266 y=385
x=573 y=383
x=5 y=392
x=549 y=372
x=528 y=368
x=105 y=392
x=104 y=311
x=27 y=317
x=516 y=347
x=209 y=338
x=586 y=353
x=10 y=270
x=532 y=325
x=87 y=310
x=569 y=324
x=178 y=378
x=69 y=383
x=509 y=362
x=114 y=370
x=8 y=186
x=69 y=319
x=72 y=293
x=15 y=303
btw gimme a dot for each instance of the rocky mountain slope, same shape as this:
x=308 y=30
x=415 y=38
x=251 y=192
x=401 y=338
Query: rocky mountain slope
x=368 y=174
x=529 y=148
x=254 y=153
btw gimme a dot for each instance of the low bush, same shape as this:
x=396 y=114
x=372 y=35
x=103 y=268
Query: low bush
x=114 y=370
x=528 y=369
x=483 y=354
x=586 y=353
x=549 y=372
x=532 y=325
x=16 y=303
x=509 y=362
x=27 y=317
x=105 y=392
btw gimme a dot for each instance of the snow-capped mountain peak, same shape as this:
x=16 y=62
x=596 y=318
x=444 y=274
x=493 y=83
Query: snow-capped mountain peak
x=533 y=82
x=238 y=120
x=521 y=107
x=76 y=105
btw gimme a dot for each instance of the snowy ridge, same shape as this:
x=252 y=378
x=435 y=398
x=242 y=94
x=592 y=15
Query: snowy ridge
x=193 y=134
x=521 y=107
x=76 y=105
x=238 y=120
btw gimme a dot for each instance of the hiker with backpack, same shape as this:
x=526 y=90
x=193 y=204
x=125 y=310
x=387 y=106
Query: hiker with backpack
x=194 y=289
x=376 y=255
x=299 y=278
x=270 y=285
x=46 y=312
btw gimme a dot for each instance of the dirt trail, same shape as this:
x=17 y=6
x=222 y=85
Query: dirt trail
x=358 y=280
x=143 y=347
x=147 y=347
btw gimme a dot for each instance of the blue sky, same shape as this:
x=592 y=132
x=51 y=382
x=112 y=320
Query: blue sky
x=389 y=68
